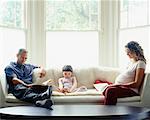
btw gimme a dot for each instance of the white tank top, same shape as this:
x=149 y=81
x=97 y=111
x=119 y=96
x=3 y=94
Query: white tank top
x=128 y=75
x=67 y=82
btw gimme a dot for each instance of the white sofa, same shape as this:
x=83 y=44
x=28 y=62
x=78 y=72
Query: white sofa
x=86 y=77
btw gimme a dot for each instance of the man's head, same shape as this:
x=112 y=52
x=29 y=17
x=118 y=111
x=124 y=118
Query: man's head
x=22 y=56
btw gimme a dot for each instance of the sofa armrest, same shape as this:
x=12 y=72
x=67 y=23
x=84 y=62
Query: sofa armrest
x=145 y=96
x=3 y=84
x=2 y=95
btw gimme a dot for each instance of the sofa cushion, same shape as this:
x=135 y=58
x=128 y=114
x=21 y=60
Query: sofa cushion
x=88 y=99
x=106 y=73
x=85 y=77
x=12 y=99
x=49 y=75
x=130 y=99
x=92 y=92
x=63 y=98
x=77 y=99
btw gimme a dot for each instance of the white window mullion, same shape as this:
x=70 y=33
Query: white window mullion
x=36 y=33
x=108 y=45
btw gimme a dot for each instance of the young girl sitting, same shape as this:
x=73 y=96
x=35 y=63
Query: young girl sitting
x=68 y=83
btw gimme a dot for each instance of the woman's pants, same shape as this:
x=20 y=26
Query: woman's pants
x=111 y=94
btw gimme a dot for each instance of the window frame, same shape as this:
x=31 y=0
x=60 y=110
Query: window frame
x=120 y=29
x=99 y=31
x=22 y=29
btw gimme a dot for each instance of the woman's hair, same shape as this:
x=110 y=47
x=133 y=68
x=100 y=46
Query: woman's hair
x=67 y=68
x=134 y=46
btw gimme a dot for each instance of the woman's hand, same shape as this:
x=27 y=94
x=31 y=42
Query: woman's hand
x=111 y=85
x=118 y=85
x=115 y=85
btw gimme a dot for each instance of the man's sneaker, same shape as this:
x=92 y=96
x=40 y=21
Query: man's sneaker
x=47 y=103
x=47 y=94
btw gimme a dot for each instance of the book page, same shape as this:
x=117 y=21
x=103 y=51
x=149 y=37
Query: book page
x=40 y=82
x=100 y=87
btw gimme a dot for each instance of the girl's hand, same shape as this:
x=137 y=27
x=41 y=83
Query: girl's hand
x=69 y=91
x=66 y=90
x=60 y=90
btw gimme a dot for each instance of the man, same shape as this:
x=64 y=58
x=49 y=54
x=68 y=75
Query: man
x=20 y=84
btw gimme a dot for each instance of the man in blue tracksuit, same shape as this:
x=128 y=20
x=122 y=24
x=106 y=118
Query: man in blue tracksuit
x=20 y=84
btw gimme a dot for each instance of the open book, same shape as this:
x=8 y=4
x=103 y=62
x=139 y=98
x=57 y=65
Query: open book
x=100 y=87
x=40 y=82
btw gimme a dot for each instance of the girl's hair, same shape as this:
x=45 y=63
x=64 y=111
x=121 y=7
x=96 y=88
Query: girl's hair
x=67 y=68
x=134 y=46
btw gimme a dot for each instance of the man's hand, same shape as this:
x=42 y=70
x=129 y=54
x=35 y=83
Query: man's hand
x=42 y=73
x=29 y=85
x=16 y=81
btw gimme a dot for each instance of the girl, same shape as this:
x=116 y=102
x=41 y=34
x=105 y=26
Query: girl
x=68 y=82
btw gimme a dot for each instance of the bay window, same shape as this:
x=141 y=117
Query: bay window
x=134 y=26
x=72 y=32
x=12 y=30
